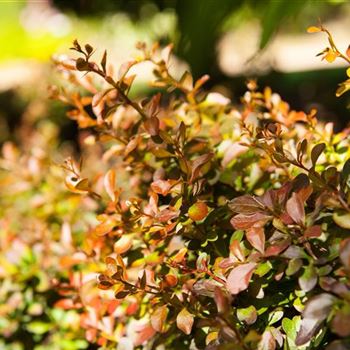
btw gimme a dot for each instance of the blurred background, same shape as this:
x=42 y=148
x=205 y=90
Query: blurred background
x=231 y=40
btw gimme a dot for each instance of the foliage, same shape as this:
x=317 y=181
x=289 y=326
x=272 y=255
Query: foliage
x=41 y=226
x=232 y=230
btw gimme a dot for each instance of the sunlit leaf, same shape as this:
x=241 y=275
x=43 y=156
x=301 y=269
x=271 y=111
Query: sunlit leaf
x=184 y=321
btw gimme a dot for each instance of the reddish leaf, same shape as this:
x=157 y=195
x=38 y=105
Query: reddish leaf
x=198 y=163
x=313 y=231
x=236 y=250
x=256 y=237
x=239 y=278
x=246 y=205
x=277 y=248
x=267 y=342
x=295 y=209
x=161 y=186
x=221 y=300
x=243 y=222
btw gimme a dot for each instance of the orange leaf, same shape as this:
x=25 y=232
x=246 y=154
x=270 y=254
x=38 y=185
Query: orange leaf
x=198 y=211
x=313 y=29
x=123 y=244
x=348 y=51
x=158 y=318
x=109 y=183
x=184 y=321
x=330 y=56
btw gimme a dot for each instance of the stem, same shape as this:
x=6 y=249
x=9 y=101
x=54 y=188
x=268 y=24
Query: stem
x=120 y=92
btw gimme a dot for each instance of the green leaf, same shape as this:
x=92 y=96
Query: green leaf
x=308 y=280
x=342 y=219
x=38 y=327
x=275 y=14
x=247 y=315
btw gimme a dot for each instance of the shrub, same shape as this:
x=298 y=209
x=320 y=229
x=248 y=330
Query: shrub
x=232 y=231
x=218 y=226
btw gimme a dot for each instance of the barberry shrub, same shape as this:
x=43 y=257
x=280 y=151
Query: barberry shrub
x=217 y=226
x=222 y=227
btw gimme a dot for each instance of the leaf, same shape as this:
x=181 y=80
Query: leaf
x=124 y=69
x=243 y=222
x=301 y=148
x=313 y=29
x=122 y=294
x=342 y=219
x=232 y=152
x=162 y=187
x=295 y=209
x=198 y=163
x=186 y=81
x=319 y=306
x=104 y=61
x=109 y=184
x=104 y=227
x=294 y=266
x=221 y=300
x=345 y=252
x=158 y=318
x=38 y=327
x=290 y=327
x=308 y=328
x=179 y=256
x=246 y=205
x=239 y=277
x=198 y=211
x=77 y=185
x=313 y=231
x=81 y=64
x=330 y=55
x=247 y=315
x=343 y=87
x=275 y=316
x=341 y=323
x=274 y=16
x=236 y=250
x=256 y=237
x=316 y=152
x=345 y=173
x=202 y=262
x=123 y=244
x=308 y=280
x=184 y=321
x=152 y=126
x=267 y=342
